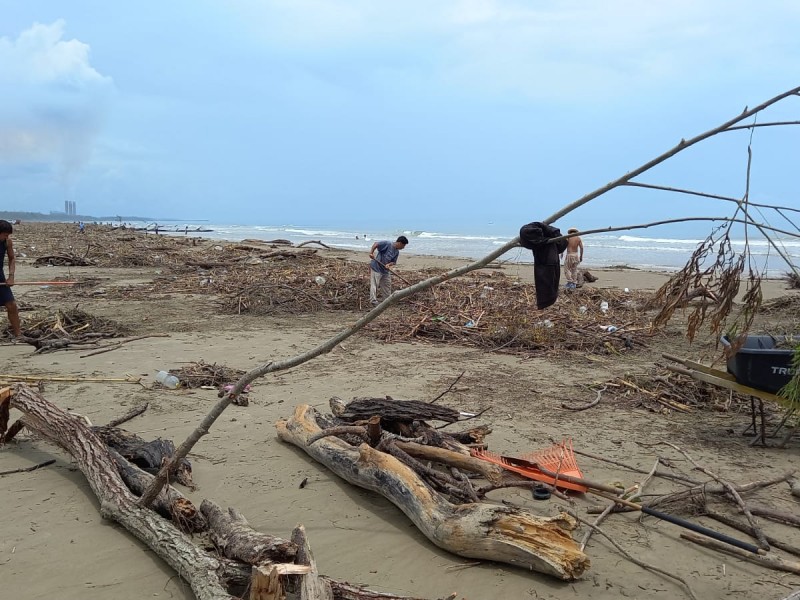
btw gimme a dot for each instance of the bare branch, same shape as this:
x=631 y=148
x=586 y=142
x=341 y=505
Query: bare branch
x=666 y=188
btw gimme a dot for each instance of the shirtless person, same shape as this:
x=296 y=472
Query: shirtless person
x=573 y=259
x=6 y=297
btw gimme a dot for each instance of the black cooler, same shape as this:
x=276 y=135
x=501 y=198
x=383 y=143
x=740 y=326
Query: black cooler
x=759 y=364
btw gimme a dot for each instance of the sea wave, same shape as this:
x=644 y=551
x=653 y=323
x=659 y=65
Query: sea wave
x=456 y=236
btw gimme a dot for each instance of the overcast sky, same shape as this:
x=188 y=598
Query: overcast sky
x=429 y=114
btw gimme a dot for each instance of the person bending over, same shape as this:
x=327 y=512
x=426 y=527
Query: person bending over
x=384 y=256
x=6 y=296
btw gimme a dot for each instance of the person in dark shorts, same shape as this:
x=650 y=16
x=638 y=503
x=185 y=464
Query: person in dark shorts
x=6 y=296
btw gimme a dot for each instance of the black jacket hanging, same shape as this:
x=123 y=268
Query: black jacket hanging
x=546 y=263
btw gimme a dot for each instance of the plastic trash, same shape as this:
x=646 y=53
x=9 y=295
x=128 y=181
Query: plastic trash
x=469 y=324
x=627 y=290
x=168 y=380
x=229 y=388
x=320 y=280
x=611 y=329
x=604 y=306
x=582 y=310
x=547 y=323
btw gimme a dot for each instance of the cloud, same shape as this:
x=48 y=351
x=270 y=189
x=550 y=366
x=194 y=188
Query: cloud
x=552 y=50
x=54 y=101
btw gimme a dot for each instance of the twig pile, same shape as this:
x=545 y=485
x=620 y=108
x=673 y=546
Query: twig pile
x=500 y=314
x=199 y=374
x=659 y=390
x=52 y=331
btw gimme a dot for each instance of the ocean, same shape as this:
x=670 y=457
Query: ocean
x=600 y=250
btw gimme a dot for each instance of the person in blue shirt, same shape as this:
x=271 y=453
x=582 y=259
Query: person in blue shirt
x=384 y=256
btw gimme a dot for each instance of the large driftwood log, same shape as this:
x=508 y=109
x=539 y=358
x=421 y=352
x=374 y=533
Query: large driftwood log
x=116 y=501
x=485 y=531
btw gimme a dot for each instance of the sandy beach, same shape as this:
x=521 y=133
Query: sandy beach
x=56 y=544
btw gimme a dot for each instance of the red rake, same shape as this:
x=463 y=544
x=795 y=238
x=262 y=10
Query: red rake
x=558 y=459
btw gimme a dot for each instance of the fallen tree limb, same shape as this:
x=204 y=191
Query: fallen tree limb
x=475 y=530
x=117 y=503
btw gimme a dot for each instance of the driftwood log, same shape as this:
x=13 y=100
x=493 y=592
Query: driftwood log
x=391 y=410
x=475 y=530
x=209 y=576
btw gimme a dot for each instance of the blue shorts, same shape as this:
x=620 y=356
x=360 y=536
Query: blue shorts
x=6 y=295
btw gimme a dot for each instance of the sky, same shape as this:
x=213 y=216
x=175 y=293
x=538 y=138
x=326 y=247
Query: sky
x=449 y=115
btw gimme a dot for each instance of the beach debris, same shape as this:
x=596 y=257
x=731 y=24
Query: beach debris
x=224 y=571
x=201 y=374
x=51 y=331
x=395 y=458
x=63 y=260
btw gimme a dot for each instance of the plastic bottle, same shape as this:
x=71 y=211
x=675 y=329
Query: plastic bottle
x=604 y=306
x=320 y=280
x=167 y=380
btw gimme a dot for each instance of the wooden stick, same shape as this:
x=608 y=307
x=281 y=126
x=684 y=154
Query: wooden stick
x=43 y=283
x=743 y=527
x=608 y=510
x=35 y=378
x=111 y=347
x=28 y=469
x=769 y=561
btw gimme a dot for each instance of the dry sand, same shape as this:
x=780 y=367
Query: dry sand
x=54 y=543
